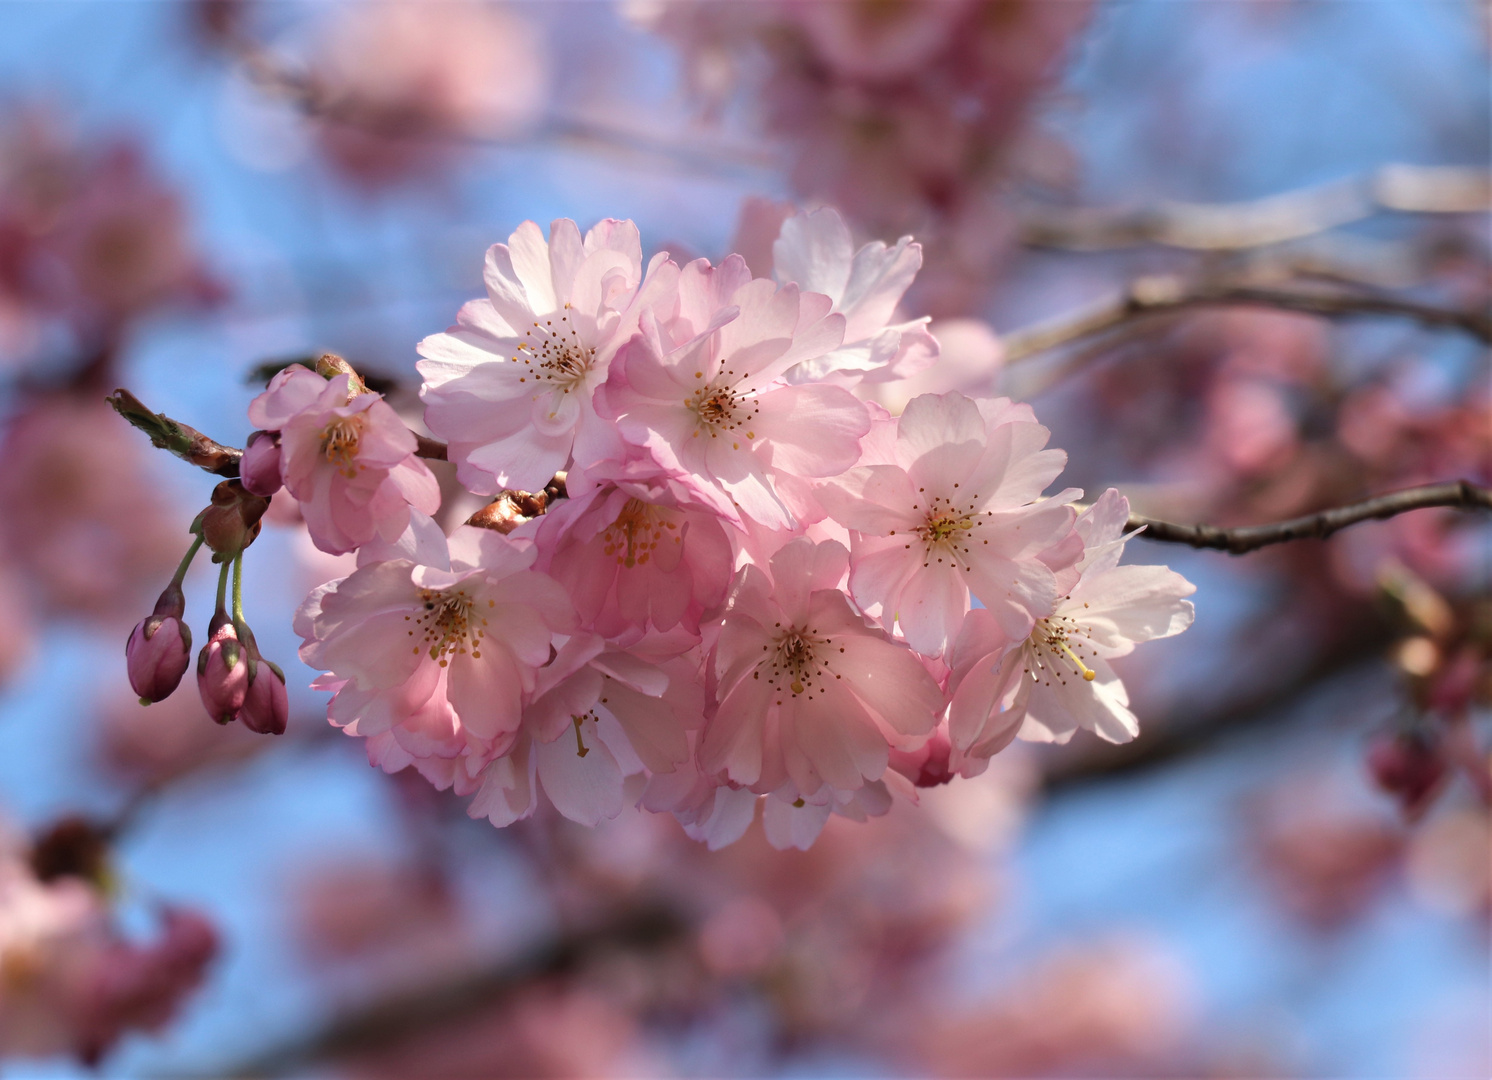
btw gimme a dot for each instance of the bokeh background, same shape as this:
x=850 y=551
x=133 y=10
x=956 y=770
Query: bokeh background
x=1286 y=875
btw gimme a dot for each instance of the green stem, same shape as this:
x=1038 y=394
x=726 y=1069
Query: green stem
x=186 y=562
x=222 y=587
x=238 y=588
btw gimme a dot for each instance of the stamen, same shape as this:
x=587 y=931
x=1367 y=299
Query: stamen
x=581 y=748
x=339 y=442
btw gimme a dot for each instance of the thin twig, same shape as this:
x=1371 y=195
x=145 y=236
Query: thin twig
x=1405 y=189
x=185 y=442
x=1460 y=494
x=1167 y=294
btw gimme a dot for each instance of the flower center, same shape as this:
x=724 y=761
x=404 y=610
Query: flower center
x=948 y=528
x=339 y=442
x=446 y=625
x=722 y=409
x=1055 y=648
x=555 y=354
x=797 y=660
x=636 y=532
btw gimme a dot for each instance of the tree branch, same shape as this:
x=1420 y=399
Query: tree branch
x=1460 y=494
x=1167 y=294
x=185 y=442
x=426 y=447
x=404 y=1013
x=1405 y=189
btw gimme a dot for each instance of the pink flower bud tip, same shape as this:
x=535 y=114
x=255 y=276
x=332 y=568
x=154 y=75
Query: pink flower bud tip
x=223 y=674
x=157 y=654
x=259 y=469
x=266 y=707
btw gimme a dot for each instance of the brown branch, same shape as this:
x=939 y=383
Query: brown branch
x=1459 y=494
x=426 y=447
x=1166 y=294
x=1404 y=189
x=185 y=442
x=407 y=1013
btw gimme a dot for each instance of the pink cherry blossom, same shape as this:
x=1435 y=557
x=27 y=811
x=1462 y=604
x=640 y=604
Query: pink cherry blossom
x=510 y=386
x=811 y=694
x=1045 y=685
x=637 y=554
x=346 y=456
x=815 y=250
x=436 y=643
x=951 y=512
x=701 y=390
x=598 y=716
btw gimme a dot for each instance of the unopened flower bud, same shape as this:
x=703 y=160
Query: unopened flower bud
x=157 y=656
x=223 y=673
x=259 y=468
x=266 y=707
x=231 y=523
x=1409 y=766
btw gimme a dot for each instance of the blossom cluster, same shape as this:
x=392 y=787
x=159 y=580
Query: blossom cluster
x=760 y=587
x=70 y=981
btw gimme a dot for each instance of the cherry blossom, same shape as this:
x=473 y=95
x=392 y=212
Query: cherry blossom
x=952 y=511
x=510 y=386
x=346 y=456
x=815 y=250
x=811 y=693
x=1047 y=684
x=435 y=642
x=636 y=553
x=701 y=390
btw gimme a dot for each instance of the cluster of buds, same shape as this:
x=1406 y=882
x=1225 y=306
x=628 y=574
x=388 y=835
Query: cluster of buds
x=234 y=680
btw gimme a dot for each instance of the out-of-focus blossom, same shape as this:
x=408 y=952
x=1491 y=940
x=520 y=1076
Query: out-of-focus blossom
x=69 y=982
x=510 y=386
x=969 y=361
x=1447 y=863
x=346 y=456
x=397 y=84
x=80 y=518
x=1409 y=765
x=1114 y=1006
x=90 y=238
x=948 y=508
x=151 y=746
x=1058 y=678
x=907 y=117
x=1325 y=852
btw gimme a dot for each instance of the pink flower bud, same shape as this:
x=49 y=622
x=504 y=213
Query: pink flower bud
x=1409 y=766
x=223 y=674
x=266 y=706
x=259 y=468
x=157 y=655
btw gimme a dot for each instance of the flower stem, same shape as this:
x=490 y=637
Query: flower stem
x=222 y=588
x=237 y=588
x=186 y=562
